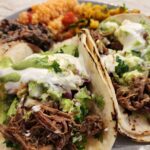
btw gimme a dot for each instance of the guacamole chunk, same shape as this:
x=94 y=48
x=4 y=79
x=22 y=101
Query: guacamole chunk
x=127 y=77
x=12 y=77
x=13 y=108
x=5 y=62
x=66 y=105
x=67 y=49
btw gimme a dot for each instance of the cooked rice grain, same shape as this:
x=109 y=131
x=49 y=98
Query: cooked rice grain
x=47 y=11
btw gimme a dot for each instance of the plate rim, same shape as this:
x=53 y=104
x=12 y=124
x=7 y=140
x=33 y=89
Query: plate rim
x=110 y=5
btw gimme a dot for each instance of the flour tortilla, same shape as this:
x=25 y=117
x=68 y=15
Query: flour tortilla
x=134 y=126
x=87 y=60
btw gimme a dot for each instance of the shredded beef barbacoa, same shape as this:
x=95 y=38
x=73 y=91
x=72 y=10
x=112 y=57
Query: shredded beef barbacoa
x=114 y=43
x=38 y=35
x=136 y=96
x=48 y=126
x=105 y=42
x=98 y=38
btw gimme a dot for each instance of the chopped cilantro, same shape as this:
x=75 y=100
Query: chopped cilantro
x=55 y=65
x=121 y=68
x=5 y=62
x=99 y=137
x=66 y=105
x=83 y=96
x=36 y=62
x=10 y=144
x=81 y=23
x=136 y=53
x=81 y=112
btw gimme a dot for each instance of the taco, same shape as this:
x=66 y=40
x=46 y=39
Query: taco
x=123 y=45
x=53 y=100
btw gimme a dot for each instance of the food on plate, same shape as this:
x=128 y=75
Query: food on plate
x=123 y=44
x=101 y=12
x=56 y=99
x=38 y=34
x=65 y=19
x=17 y=50
x=51 y=13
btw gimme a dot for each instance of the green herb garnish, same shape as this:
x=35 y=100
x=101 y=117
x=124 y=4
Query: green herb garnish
x=10 y=144
x=121 y=68
x=55 y=65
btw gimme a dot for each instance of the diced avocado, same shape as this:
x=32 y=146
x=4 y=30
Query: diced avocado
x=122 y=33
x=35 y=62
x=56 y=96
x=127 y=77
x=80 y=112
x=12 y=77
x=67 y=49
x=118 y=79
x=13 y=108
x=56 y=67
x=83 y=95
x=44 y=97
x=35 y=90
x=66 y=105
x=146 y=56
x=99 y=100
x=109 y=27
x=134 y=62
x=5 y=62
x=3 y=114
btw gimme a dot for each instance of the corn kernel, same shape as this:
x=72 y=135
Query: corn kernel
x=94 y=24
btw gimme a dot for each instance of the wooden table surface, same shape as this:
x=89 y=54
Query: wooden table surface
x=8 y=7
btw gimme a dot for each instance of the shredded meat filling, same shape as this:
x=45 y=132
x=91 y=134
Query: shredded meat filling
x=48 y=126
x=114 y=43
x=99 y=40
x=38 y=35
x=136 y=96
x=92 y=125
x=105 y=42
